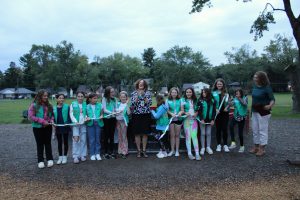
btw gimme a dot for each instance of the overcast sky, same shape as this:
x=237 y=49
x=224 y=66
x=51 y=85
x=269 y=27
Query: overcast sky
x=102 y=27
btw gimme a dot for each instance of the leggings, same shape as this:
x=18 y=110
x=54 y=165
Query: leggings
x=191 y=129
x=161 y=141
x=222 y=127
x=62 y=138
x=240 y=127
x=43 y=142
x=205 y=130
x=109 y=132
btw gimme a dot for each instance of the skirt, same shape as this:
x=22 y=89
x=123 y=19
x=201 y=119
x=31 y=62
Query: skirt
x=141 y=124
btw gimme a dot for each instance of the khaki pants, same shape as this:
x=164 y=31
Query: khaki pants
x=260 y=126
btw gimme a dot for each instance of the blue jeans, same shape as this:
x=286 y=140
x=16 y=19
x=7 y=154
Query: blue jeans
x=94 y=132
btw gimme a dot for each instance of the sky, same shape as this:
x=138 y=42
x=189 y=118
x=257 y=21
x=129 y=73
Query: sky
x=103 y=27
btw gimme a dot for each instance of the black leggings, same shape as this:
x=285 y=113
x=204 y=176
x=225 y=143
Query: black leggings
x=43 y=141
x=241 y=129
x=161 y=141
x=109 y=132
x=62 y=138
x=222 y=127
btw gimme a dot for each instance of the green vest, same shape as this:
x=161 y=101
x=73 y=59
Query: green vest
x=90 y=114
x=163 y=120
x=65 y=113
x=187 y=105
x=125 y=115
x=204 y=111
x=39 y=114
x=216 y=97
x=76 y=109
x=110 y=106
x=174 y=107
x=239 y=108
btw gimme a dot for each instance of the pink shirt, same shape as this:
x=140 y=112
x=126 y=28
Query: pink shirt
x=32 y=115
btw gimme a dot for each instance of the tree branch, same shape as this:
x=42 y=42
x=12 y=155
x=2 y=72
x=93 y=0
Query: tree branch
x=274 y=9
x=289 y=13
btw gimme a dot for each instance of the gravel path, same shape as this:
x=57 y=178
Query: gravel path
x=154 y=176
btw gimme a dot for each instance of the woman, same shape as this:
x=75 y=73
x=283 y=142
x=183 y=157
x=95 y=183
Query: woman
x=141 y=116
x=262 y=102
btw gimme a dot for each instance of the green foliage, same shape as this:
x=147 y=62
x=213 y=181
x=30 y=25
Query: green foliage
x=148 y=57
x=261 y=24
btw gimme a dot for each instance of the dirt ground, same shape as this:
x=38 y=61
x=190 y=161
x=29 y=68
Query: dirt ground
x=219 y=176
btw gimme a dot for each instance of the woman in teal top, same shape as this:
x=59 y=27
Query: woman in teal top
x=262 y=102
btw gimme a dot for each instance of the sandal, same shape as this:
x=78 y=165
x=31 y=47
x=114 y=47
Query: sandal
x=144 y=154
x=138 y=154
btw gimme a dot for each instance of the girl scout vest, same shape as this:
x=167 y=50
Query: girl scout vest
x=205 y=110
x=76 y=109
x=216 y=97
x=90 y=114
x=240 y=110
x=125 y=115
x=110 y=106
x=40 y=114
x=163 y=120
x=65 y=113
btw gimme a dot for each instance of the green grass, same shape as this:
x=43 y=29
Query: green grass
x=11 y=110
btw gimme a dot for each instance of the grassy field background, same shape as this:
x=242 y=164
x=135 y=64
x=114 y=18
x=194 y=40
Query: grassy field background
x=11 y=110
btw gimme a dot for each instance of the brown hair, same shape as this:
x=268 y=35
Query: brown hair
x=194 y=98
x=107 y=93
x=160 y=99
x=170 y=91
x=262 y=78
x=91 y=95
x=208 y=94
x=38 y=101
x=224 y=90
x=137 y=84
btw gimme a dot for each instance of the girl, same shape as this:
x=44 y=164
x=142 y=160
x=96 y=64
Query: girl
x=190 y=124
x=40 y=113
x=240 y=103
x=262 y=102
x=141 y=116
x=206 y=112
x=77 y=115
x=174 y=111
x=61 y=116
x=162 y=122
x=109 y=104
x=94 y=124
x=220 y=95
x=123 y=111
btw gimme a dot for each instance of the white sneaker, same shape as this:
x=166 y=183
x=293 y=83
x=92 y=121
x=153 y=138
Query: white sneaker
x=83 y=158
x=98 y=157
x=209 y=150
x=232 y=145
x=191 y=157
x=76 y=161
x=41 y=165
x=219 y=148
x=160 y=155
x=93 y=157
x=226 y=149
x=59 y=161
x=165 y=154
x=198 y=157
x=176 y=154
x=50 y=163
x=170 y=153
x=202 y=151
x=242 y=149
x=64 y=159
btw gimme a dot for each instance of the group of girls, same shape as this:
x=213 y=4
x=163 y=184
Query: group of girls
x=86 y=119
x=90 y=116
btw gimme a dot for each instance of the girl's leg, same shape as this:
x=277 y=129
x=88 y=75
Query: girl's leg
x=66 y=143
x=122 y=136
x=83 y=145
x=92 y=139
x=172 y=136
x=76 y=144
x=47 y=142
x=187 y=131
x=225 y=127
x=208 y=135
x=38 y=135
x=194 y=134
x=177 y=137
x=231 y=125
x=219 y=128
x=241 y=130
x=97 y=139
x=106 y=135
x=59 y=137
x=202 y=129
x=112 y=126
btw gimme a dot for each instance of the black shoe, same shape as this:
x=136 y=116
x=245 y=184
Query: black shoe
x=113 y=156
x=106 y=156
x=123 y=156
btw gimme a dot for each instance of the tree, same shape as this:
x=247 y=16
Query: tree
x=260 y=25
x=12 y=76
x=148 y=57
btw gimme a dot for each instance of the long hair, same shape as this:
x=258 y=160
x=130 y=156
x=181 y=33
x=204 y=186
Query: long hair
x=262 y=77
x=136 y=84
x=224 y=90
x=107 y=93
x=160 y=99
x=38 y=100
x=194 y=98
x=170 y=91
x=208 y=94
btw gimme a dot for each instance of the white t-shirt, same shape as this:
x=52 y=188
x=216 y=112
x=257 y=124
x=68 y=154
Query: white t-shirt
x=121 y=108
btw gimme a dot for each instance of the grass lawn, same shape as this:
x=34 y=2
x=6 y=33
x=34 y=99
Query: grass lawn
x=11 y=110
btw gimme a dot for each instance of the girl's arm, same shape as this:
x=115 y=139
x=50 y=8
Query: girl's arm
x=73 y=119
x=161 y=111
x=104 y=106
x=244 y=101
